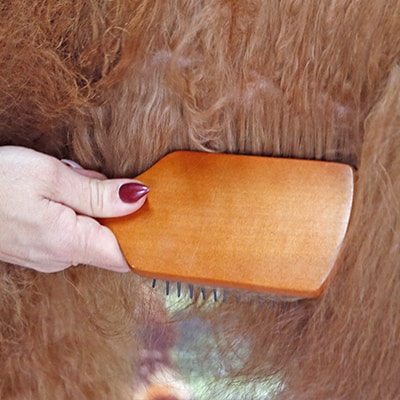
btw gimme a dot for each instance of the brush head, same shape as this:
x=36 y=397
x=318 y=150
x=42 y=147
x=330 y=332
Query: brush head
x=254 y=223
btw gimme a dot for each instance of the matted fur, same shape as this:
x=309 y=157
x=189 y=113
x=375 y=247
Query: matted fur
x=115 y=85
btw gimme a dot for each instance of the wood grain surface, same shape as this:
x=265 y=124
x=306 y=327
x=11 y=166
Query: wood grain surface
x=255 y=223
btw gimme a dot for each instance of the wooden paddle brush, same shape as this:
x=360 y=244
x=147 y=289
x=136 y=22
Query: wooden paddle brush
x=251 y=223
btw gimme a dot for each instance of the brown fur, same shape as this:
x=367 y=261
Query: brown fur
x=116 y=85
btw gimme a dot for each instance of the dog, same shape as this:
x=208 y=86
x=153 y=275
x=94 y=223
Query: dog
x=116 y=85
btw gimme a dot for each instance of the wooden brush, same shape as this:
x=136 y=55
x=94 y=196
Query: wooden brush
x=252 y=223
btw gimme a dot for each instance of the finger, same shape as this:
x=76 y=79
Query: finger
x=90 y=174
x=98 y=198
x=82 y=171
x=96 y=245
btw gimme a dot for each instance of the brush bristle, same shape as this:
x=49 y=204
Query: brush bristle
x=203 y=293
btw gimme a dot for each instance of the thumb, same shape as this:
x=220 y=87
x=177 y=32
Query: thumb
x=97 y=197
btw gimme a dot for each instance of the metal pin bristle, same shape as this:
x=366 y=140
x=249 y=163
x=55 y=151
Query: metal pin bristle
x=221 y=295
x=191 y=291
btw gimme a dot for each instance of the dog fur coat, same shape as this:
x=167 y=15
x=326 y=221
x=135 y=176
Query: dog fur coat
x=117 y=84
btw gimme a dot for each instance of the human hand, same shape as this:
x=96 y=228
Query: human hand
x=47 y=210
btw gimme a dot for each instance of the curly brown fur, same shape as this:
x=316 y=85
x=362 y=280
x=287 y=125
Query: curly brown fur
x=116 y=85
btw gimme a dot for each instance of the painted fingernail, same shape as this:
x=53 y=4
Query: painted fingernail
x=71 y=163
x=132 y=192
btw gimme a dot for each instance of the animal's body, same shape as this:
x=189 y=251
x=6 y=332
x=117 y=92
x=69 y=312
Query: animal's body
x=115 y=85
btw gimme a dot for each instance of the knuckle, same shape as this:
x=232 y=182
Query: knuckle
x=50 y=175
x=96 y=198
x=61 y=242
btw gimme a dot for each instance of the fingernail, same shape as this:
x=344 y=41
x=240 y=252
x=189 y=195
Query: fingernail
x=132 y=192
x=71 y=164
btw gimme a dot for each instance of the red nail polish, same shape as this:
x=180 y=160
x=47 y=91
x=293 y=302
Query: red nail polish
x=132 y=192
